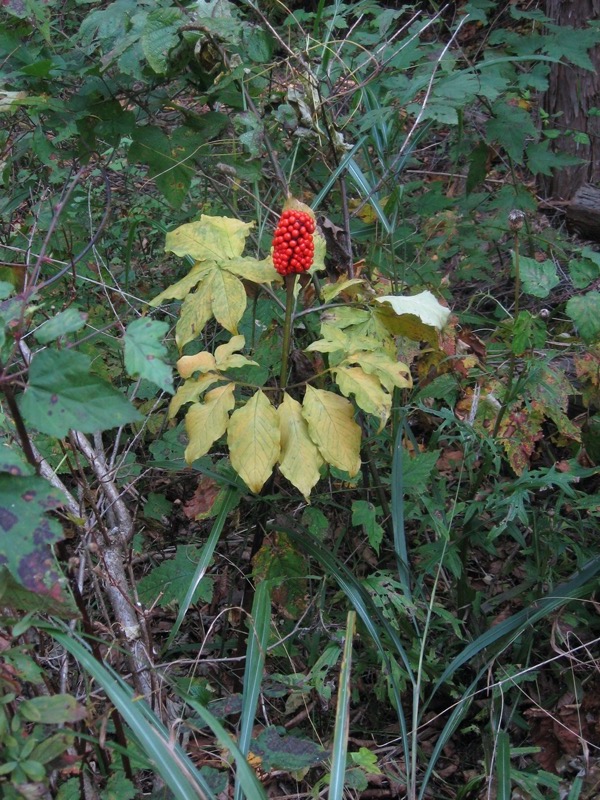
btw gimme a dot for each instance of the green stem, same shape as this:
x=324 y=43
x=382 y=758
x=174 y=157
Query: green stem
x=290 y=281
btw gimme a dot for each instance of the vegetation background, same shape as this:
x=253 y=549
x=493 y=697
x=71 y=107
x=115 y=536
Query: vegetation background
x=334 y=538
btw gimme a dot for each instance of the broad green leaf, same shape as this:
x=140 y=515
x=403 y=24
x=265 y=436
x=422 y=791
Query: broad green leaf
x=300 y=459
x=280 y=750
x=16 y=597
x=190 y=392
x=167 y=158
x=168 y=583
x=332 y=428
x=145 y=353
x=206 y=422
x=585 y=313
x=228 y=299
x=537 y=278
x=211 y=238
x=180 y=290
x=390 y=372
x=424 y=306
x=584 y=270
x=195 y=312
x=200 y=362
x=54 y=710
x=365 y=514
x=27 y=533
x=367 y=390
x=251 y=269
x=253 y=440
x=159 y=36
x=64 y=322
x=63 y=394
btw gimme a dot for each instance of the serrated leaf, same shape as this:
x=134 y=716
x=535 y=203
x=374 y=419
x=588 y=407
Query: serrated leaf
x=64 y=322
x=160 y=35
x=391 y=373
x=300 y=459
x=180 y=290
x=537 y=278
x=195 y=312
x=63 y=394
x=210 y=238
x=417 y=469
x=206 y=422
x=583 y=271
x=168 y=583
x=332 y=428
x=145 y=353
x=166 y=156
x=191 y=391
x=367 y=390
x=585 y=313
x=423 y=305
x=228 y=299
x=251 y=269
x=253 y=440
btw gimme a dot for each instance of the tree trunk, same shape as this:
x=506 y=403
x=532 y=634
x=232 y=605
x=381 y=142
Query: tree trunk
x=572 y=92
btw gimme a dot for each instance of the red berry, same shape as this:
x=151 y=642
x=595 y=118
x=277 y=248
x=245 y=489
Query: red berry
x=293 y=246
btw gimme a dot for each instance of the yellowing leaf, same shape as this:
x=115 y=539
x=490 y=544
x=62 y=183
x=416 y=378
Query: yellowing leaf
x=332 y=428
x=206 y=422
x=253 y=440
x=300 y=458
x=183 y=287
x=195 y=313
x=424 y=306
x=253 y=270
x=190 y=391
x=227 y=358
x=390 y=372
x=367 y=390
x=210 y=238
x=200 y=362
x=228 y=299
x=331 y=290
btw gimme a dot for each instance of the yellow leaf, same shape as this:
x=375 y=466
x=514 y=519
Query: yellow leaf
x=183 y=287
x=195 y=313
x=253 y=270
x=253 y=439
x=190 y=391
x=210 y=238
x=206 y=422
x=227 y=358
x=332 y=428
x=300 y=458
x=390 y=372
x=228 y=299
x=367 y=390
x=200 y=362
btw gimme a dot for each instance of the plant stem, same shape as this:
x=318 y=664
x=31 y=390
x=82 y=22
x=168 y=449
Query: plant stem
x=290 y=281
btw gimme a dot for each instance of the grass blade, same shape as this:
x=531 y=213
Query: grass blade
x=342 y=717
x=400 y=546
x=168 y=758
x=503 y=791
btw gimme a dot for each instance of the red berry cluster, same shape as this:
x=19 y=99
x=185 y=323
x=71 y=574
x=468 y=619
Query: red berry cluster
x=293 y=246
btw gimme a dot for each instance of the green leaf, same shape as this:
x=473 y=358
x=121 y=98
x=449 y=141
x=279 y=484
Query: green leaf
x=63 y=394
x=53 y=710
x=64 y=322
x=253 y=440
x=541 y=160
x=511 y=127
x=168 y=583
x=585 y=313
x=365 y=514
x=528 y=332
x=280 y=750
x=537 y=278
x=167 y=158
x=417 y=470
x=586 y=269
x=332 y=428
x=145 y=353
x=159 y=36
